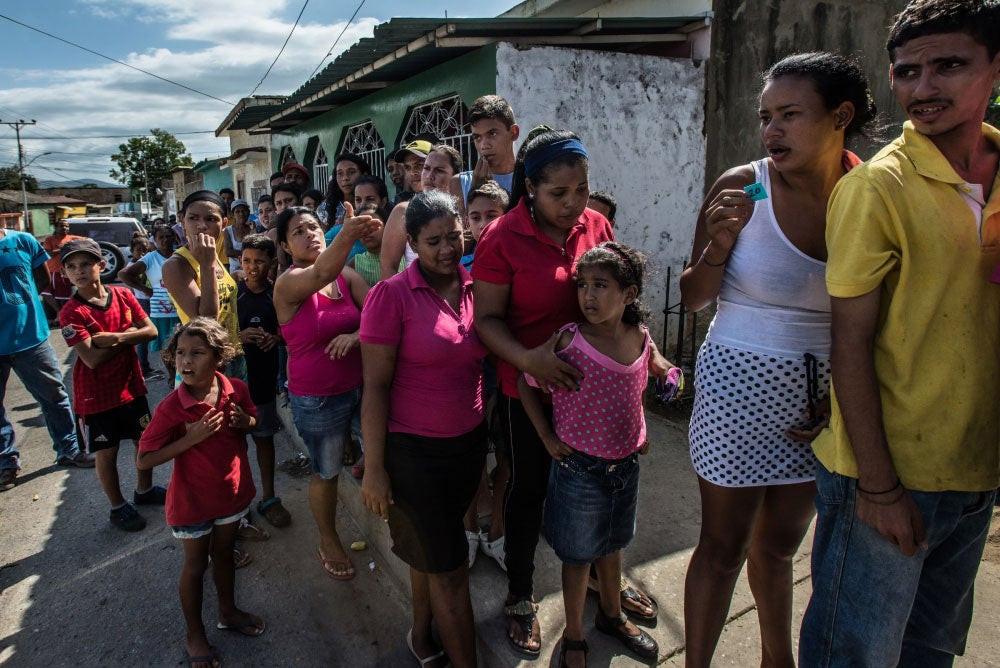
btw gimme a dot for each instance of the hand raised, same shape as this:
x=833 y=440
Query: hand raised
x=238 y=418
x=726 y=216
x=209 y=423
x=357 y=227
x=202 y=247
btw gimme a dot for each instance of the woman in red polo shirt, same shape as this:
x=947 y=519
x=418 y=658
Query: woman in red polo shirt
x=524 y=292
x=424 y=458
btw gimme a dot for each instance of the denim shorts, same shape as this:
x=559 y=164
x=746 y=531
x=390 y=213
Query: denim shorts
x=590 y=506
x=200 y=529
x=268 y=422
x=325 y=424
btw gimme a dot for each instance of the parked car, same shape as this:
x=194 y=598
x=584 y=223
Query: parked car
x=113 y=234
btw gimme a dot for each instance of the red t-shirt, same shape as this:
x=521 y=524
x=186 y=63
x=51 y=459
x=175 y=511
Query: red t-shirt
x=211 y=479
x=437 y=388
x=119 y=380
x=513 y=251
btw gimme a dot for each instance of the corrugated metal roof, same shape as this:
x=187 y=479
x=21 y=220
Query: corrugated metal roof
x=16 y=196
x=403 y=47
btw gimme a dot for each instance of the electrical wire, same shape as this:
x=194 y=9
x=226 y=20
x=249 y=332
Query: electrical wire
x=282 y=50
x=141 y=134
x=115 y=60
x=346 y=26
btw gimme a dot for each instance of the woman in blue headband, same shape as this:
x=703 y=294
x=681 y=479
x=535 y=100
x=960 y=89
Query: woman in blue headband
x=524 y=291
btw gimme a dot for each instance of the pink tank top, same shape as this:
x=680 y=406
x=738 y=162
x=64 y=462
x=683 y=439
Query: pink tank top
x=319 y=320
x=605 y=418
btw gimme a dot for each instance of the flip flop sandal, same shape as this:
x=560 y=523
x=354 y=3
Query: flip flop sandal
x=494 y=549
x=630 y=596
x=212 y=659
x=524 y=612
x=571 y=646
x=251 y=630
x=641 y=645
x=248 y=531
x=425 y=661
x=349 y=575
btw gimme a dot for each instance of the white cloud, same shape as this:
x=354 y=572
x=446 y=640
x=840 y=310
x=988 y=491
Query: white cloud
x=221 y=47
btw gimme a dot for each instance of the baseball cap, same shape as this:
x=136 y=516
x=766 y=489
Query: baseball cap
x=419 y=148
x=238 y=202
x=88 y=246
x=290 y=166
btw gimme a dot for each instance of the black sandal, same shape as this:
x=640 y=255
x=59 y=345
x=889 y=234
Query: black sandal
x=568 y=645
x=523 y=611
x=642 y=645
x=629 y=595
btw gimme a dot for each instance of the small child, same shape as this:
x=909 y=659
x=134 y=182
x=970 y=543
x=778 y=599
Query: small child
x=202 y=426
x=594 y=437
x=146 y=275
x=140 y=247
x=605 y=204
x=483 y=205
x=260 y=338
x=103 y=325
x=367 y=263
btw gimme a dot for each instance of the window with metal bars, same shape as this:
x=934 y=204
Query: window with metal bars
x=321 y=170
x=447 y=119
x=364 y=140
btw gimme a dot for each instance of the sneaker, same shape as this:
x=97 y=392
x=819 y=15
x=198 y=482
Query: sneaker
x=153 y=375
x=7 y=477
x=154 y=496
x=127 y=518
x=81 y=460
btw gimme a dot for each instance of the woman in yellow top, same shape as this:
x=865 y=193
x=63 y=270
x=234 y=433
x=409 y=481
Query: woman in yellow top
x=203 y=217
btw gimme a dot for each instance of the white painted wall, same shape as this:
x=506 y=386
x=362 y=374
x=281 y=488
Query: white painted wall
x=642 y=121
x=253 y=168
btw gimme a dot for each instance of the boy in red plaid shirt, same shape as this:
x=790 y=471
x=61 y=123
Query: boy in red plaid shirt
x=103 y=324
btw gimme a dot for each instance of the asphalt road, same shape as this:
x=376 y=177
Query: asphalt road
x=76 y=591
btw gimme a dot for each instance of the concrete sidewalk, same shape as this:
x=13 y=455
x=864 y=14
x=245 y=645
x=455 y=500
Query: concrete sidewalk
x=668 y=524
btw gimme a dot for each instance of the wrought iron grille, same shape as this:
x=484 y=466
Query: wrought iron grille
x=321 y=170
x=364 y=140
x=447 y=119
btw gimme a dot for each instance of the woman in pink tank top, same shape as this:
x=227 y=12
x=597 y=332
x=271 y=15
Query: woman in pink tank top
x=318 y=302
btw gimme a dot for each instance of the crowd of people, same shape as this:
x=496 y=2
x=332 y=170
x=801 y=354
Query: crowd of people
x=501 y=293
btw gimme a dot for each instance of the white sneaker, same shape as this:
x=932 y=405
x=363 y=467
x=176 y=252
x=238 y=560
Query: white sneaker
x=474 y=538
x=494 y=549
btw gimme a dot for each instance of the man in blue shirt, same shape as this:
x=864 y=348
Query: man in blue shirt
x=25 y=349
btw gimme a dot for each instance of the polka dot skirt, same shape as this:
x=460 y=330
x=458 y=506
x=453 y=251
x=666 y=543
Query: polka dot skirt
x=744 y=403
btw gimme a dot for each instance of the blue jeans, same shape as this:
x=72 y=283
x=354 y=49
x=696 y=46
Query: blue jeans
x=39 y=370
x=872 y=606
x=590 y=506
x=325 y=424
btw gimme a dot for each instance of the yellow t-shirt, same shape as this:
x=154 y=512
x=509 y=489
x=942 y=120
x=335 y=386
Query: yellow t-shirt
x=899 y=223
x=227 y=298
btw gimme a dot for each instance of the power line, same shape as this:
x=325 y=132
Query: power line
x=282 y=50
x=141 y=134
x=115 y=60
x=346 y=26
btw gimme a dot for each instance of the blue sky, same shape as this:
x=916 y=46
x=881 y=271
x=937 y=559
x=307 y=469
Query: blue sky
x=221 y=47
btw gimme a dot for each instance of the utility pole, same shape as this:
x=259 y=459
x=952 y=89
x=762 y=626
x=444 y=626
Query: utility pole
x=145 y=182
x=17 y=125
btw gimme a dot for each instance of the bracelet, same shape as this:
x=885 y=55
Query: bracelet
x=896 y=500
x=712 y=264
x=899 y=483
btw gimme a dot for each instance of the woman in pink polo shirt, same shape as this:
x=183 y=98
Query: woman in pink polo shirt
x=424 y=457
x=318 y=303
x=524 y=292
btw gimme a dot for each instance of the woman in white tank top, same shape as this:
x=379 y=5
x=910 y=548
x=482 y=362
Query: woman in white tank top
x=762 y=375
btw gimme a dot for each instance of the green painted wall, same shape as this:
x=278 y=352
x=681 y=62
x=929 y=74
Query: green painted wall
x=40 y=220
x=470 y=76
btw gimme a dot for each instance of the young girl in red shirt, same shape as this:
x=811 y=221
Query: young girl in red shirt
x=202 y=426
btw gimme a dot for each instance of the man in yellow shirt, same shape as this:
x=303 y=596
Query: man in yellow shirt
x=908 y=468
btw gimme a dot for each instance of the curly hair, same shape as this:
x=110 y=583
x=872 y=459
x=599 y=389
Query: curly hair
x=210 y=331
x=627 y=266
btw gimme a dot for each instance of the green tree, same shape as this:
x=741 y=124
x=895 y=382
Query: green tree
x=149 y=160
x=993 y=112
x=10 y=179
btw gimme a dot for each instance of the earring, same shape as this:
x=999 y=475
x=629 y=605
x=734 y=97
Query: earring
x=531 y=195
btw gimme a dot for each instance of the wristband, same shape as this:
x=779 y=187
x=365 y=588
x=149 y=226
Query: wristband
x=899 y=483
x=712 y=264
x=896 y=500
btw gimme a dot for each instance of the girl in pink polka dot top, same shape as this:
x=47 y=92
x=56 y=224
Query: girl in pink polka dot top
x=595 y=436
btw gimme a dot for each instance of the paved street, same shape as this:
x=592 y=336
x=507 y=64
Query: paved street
x=75 y=591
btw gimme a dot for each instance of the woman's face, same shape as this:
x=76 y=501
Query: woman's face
x=347 y=173
x=796 y=127
x=309 y=203
x=265 y=213
x=439 y=245
x=560 y=199
x=367 y=193
x=304 y=241
x=241 y=215
x=203 y=218
x=164 y=240
x=437 y=172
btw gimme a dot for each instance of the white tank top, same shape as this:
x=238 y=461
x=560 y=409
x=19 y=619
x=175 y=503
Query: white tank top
x=773 y=298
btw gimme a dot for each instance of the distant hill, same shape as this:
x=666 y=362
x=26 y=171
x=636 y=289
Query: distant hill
x=79 y=183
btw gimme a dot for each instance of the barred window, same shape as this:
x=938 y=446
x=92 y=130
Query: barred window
x=321 y=170
x=287 y=155
x=364 y=140
x=447 y=119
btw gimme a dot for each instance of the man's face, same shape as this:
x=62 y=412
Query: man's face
x=396 y=173
x=284 y=199
x=943 y=82
x=62 y=229
x=277 y=180
x=414 y=166
x=437 y=172
x=265 y=213
x=493 y=140
x=228 y=198
x=297 y=177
